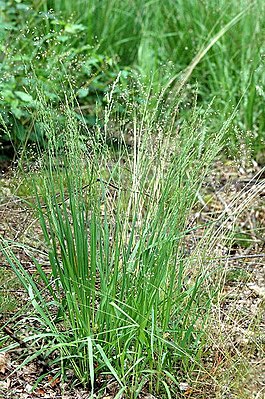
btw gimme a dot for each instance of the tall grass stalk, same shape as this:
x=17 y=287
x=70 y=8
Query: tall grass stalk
x=122 y=296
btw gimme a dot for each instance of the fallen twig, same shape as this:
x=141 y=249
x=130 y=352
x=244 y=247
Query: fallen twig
x=39 y=358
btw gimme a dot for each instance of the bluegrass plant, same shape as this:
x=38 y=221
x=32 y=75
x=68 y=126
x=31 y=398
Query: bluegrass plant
x=124 y=298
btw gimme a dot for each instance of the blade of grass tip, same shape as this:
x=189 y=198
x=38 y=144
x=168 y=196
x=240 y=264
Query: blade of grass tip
x=132 y=367
x=29 y=359
x=119 y=394
x=196 y=60
x=108 y=364
x=41 y=378
x=39 y=308
x=170 y=376
x=142 y=383
x=167 y=389
x=124 y=313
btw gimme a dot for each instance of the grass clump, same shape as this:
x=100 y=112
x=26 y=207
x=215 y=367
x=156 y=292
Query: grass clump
x=123 y=296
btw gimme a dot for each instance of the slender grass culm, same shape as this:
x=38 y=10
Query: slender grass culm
x=121 y=298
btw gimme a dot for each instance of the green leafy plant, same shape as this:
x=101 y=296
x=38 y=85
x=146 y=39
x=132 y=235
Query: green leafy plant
x=121 y=298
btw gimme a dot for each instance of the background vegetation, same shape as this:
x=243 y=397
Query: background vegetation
x=85 y=44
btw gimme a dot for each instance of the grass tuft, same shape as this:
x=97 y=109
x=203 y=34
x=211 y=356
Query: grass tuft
x=123 y=296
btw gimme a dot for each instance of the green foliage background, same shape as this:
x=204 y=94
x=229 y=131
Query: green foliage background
x=81 y=46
